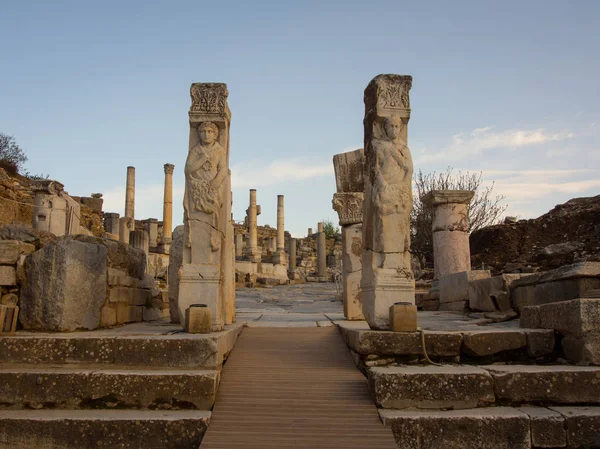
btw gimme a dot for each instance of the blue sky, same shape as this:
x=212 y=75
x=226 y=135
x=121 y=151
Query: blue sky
x=508 y=88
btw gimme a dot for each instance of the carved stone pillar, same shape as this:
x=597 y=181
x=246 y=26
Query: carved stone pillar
x=152 y=229
x=321 y=252
x=253 y=253
x=348 y=203
x=130 y=193
x=451 y=251
x=387 y=275
x=167 y=236
x=206 y=272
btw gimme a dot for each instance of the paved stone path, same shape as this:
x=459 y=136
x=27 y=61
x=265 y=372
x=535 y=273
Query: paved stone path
x=294 y=388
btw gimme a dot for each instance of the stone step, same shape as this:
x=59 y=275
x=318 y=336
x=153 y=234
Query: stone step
x=462 y=386
x=75 y=388
x=93 y=429
x=495 y=427
x=116 y=346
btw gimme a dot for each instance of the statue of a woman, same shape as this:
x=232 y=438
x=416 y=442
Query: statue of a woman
x=391 y=195
x=205 y=171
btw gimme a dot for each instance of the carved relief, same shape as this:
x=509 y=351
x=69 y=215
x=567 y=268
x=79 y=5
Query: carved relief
x=389 y=94
x=209 y=98
x=349 y=206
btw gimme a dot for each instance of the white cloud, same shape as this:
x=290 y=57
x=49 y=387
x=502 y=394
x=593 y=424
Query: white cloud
x=277 y=172
x=481 y=139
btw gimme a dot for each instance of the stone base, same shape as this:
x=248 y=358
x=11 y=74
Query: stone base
x=253 y=254
x=378 y=296
x=201 y=284
x=280 y=258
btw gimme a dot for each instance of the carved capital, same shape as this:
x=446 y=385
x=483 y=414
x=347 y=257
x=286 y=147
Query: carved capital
x=349 y=206
x=388 y=95
x=209 y=102
x=169 y=169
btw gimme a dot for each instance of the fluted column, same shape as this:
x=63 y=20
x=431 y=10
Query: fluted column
x=252 y=251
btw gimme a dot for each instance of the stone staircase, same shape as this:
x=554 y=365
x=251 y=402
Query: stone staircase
x=137 y=386
x=491 y=386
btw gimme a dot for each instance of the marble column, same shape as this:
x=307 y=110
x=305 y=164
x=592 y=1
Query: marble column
x=167 y=236
x=253 y=253
x=348 y=203
x=130 y=193
x=292 y=258
x=321 y=253
x=140 y=240
x=387 y=276
x=450 y=226
x=280 y=257
x=126 y=226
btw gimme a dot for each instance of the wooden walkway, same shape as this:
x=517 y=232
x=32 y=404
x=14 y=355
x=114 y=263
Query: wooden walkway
x=294 y=388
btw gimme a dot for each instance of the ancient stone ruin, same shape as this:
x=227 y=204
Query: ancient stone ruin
x=117 y=331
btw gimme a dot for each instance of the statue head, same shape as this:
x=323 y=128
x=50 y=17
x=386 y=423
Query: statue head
x=393 y=127
x=208 y=133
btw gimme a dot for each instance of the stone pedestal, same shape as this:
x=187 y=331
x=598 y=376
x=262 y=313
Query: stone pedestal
x=207 y=267
x=451 y=253
x=111 y=223
x=387 y=276
x=130 y=193
x=198 y=320
x=253 y=253
x=348 y=203
x=321 y=253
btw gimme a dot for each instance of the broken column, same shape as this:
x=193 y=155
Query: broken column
x=387 y=276
x=207 y=206
x=130 y=193
x=126 y=226
x=450 y=226
x=111 y=223
x=152 y=230
x=167 y=235
x=348 y=203
x=321 y=252
x=253 y=253
x=140 y=240
x=280 y=256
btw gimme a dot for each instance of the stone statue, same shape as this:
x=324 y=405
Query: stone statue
x=205 y=171
x=391 y=195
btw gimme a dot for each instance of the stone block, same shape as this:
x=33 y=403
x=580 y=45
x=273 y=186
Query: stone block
x=246 y=267
x=158 y=265
x=427 y=387
x=108 y=316
x=403 y=317
x=66 y=286
x=489 y=342
x=561 y=284
x=540 y=342
x=198 y=320
x=129 y=314
x=482 y=290
x=584 y=348
x=576 y=317
x=348 y=169
x=547 y=427
x=458 y=306
x=129 y=295
x=583 y=426
x=455 y=287
x=546 y=384
x=8 y=275
x=11 y=250
x=480 y=428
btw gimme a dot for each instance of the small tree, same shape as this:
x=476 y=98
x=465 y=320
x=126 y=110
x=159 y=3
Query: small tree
x=331 y=231
x=12 y=156
x=484 y=209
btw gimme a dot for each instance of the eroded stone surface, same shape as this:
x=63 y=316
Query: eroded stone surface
x=547 y=427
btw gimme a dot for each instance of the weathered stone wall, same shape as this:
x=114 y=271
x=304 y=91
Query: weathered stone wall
x=16 y=200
